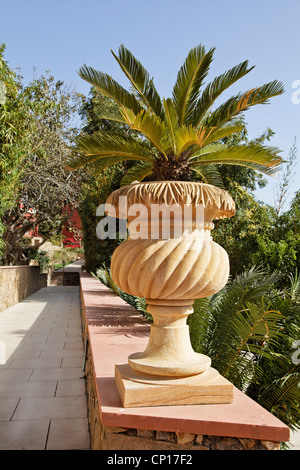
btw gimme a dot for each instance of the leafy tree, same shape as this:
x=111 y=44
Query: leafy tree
x=15 y=143
x=278 y=247
x=182 y=134
x=95 y=192
x=44 y=187
x=284 y=182
x=98 y=186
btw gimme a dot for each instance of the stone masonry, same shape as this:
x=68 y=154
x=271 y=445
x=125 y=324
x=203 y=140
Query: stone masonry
x=18 y=282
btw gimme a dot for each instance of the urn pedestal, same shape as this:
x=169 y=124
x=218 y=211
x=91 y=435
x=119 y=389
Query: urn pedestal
x=170 y=259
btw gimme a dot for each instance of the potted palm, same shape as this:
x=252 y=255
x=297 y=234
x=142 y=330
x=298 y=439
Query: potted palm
x=170 y=141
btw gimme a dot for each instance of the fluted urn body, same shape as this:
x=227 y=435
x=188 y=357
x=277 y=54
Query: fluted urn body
x=170 y=259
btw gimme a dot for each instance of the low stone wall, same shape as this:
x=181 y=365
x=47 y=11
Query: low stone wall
x=120 y=438
x=18 y=282
x=112 y=329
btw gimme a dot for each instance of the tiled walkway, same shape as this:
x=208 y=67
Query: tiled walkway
x=42 y=388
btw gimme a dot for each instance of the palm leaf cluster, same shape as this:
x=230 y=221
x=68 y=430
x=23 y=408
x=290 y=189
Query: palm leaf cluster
x=169 y=139
x=249 y=330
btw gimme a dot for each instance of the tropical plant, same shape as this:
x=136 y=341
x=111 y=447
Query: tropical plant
x=168 y=139
x=249 y=330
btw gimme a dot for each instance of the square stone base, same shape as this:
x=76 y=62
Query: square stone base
x=137 y=390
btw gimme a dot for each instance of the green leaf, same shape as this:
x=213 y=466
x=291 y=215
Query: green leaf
x=90 y=148
x=257 y=157
x=171 y=119
x=225 y=131
x=153 y=128
x=110 y=114
x=189 y=80
x=137 y=173
x=187 y=137
x=140 y=80
x=109 y=87
x=216 y=88
x=209 y=174
x=243 y=101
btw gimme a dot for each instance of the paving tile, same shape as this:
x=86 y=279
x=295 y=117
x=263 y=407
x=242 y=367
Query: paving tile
x=68 y=434
x=74 y=345
x=69 y=373
x=10 y=374
x=49 y=408
x=24 y=435
x=72 y=361
x=36 y=363
x=15 y=389
x=27 y=353
x=70 y=388
x=54 y=337
x=61 y=353
x=7 y=408
x=43 y=346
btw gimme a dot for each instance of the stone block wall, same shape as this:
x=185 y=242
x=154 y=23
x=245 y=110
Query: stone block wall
x=18 y=282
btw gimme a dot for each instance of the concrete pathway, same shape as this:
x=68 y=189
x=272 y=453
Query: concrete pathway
x=42 y=388
x=73 y=267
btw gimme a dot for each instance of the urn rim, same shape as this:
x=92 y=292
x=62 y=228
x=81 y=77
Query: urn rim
x=175 y=192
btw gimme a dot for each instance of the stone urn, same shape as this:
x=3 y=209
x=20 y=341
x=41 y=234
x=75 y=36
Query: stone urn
x=170 y=259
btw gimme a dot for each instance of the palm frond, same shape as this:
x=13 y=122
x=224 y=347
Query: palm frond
x=216 y=88
x=201 y=324
x=153 y=128
x=295 y=286
x=90 y=148
x=137 y=173
x=140 y=80
x=109 y=87
x=222 y=132
x=96 y=166
x=186 y=137
x=112 y=114
x=171 y=119
x=189 y=80
x=261 y=158
x=243 y=101
x=282 y=398
x=209 y=174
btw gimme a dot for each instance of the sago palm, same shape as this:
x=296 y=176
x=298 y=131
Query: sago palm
x=175 y=136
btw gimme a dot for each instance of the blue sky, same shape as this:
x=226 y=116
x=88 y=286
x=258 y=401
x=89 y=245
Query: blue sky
x=61 y=35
